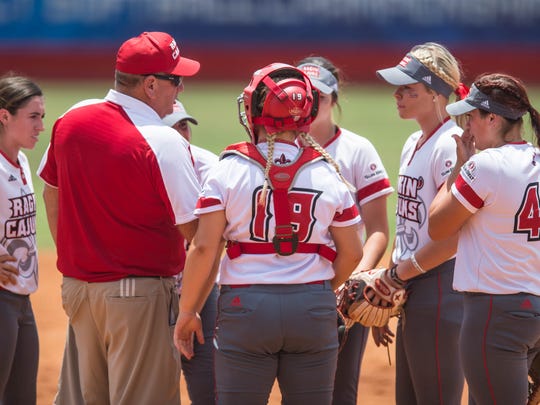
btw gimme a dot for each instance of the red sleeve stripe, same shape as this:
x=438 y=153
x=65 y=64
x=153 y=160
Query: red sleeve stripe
x=347 y=214
x=468 y=193
x=207 y=202
x=372 y=189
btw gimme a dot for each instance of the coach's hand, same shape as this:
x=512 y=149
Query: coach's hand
x=187 y=324
x=8 y=272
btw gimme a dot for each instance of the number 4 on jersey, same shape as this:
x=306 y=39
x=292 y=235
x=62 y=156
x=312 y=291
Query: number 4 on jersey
x=527 y=219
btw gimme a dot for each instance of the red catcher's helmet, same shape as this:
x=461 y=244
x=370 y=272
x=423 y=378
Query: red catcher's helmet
x=291 y=103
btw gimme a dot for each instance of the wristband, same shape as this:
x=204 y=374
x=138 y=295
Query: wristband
x=191 y=313
x=416 y=265
x=394 y=276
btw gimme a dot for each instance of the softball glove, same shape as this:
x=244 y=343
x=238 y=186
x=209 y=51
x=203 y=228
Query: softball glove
x=372 y=297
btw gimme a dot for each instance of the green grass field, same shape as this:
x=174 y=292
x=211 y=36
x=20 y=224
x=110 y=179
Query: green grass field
x=367 y=110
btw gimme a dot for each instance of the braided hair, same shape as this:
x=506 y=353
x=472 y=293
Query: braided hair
x=440 y=61
x=510 y=92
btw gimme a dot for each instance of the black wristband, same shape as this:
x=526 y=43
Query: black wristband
x=394 y=276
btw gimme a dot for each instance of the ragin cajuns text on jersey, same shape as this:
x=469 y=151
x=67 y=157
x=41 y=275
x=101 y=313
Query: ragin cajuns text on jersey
x=408 y=203
x=22 y=221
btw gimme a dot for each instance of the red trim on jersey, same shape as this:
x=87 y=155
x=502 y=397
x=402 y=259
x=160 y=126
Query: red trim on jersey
x=235 y=249
x=15 y=164
x=347 y=214
x=435 y=130
x=336 y=136
x=469 y=194
x=417 y=148
x=191 y=155
x=205 y=202
x=23 y=177
x=484 y=354
x=372 y=189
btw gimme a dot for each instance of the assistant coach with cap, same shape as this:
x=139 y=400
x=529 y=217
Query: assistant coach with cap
x=120 y=194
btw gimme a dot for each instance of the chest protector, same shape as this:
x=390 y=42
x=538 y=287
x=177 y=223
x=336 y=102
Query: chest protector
x=285 y=241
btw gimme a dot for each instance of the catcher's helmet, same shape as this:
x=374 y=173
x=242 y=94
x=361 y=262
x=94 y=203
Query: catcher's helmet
x=288 y=103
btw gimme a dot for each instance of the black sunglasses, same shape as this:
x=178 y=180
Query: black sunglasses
x=176 y=80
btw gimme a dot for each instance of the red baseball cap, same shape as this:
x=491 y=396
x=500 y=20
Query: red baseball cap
x=154 y=52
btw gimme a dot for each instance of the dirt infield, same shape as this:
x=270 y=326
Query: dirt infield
x=376 y=382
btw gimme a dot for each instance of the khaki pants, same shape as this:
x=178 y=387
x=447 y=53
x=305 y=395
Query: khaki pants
x=124 y=332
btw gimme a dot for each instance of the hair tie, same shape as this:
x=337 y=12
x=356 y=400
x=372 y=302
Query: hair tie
x=462 y=91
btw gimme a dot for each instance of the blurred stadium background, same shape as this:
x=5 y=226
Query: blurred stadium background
x=70 y=46
x=66 y=39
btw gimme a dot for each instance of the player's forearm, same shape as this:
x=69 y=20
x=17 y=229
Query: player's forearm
x=374 y=249
x=344 y=264
x=188 y=229
x=197 y=279
x=428 y=257
x=375 y=218
x=213 y=276
x=349 y=252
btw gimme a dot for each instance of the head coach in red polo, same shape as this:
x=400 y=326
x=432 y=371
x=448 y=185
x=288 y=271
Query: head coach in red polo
x=120 y=191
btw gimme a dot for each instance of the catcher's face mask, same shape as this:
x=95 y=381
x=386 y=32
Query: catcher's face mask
x=290 y=104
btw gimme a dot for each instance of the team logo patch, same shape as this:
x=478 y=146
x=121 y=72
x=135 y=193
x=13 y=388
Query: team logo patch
x=375 y=171
x=469 y=170
x=282 y=160
x=295 y=112
x=311 y=71
x=405 y=61
x=448 y=166
x=174 y=49
x=236 y=302
x=282 y=176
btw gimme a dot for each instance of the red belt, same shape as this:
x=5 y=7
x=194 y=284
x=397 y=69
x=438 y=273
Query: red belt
x=235 y=249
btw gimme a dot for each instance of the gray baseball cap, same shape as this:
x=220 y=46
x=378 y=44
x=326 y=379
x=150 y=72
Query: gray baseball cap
x=410 y=70
x=477 y=99
x=320 y=77
x=179 y=113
